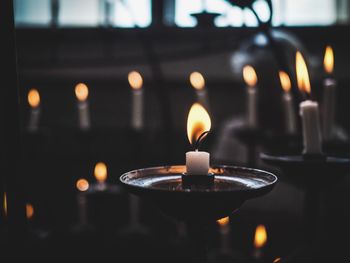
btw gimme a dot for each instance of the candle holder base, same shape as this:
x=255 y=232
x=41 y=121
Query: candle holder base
x=197 y=181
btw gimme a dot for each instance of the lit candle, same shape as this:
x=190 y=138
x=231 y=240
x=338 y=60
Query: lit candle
x=251 y=79
x=260 y=239
x=100 y=173
x=198 y=83
x=224 y=224
x=82 y=186
x=29 y=211
x=5 y=204
x=329 y=96
x=34 y=103
x=198 y=124
x=308 y=111
x=287 y=99
x=136 y=82
x=82 y=93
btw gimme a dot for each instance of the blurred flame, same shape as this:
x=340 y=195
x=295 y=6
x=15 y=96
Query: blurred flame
x=260 y=237
x=328 y=61
x=100 y=172
x=5 y=203
x=29 y=211
x=81 y=91
x=285 y=81
x=249 y=76
x=135 y=80
x=224 y=221
x=302 y=73
x=198 y=121
x=82 y=185
x=277 y=260
x=34 y=98
x=197 y=80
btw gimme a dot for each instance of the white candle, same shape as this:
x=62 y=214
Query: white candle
x=198 y=83
x=82 y=92
x=308 y=111
x=136 y=82
x=82 y=186
x=34 y=102
x=287 y=99
x=225 y=229
x=251 y=79
x=329 y=96
x=198 y=122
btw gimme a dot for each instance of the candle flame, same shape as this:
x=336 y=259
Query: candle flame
x=197 y=80
x=33 y=98
x=277 y=260
x=29 y=211
x=224 y=221
x=328 y=61
x=285 y=81
x=135 y=80
x=81 y=91
x=100 y=172
x=82 y=185
x=302 y=74
x=249 y=76
x=198 y=122
x=5 y=204
x=260 y=237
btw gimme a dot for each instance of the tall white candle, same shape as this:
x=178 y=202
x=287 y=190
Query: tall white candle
x=82 y=186
x=308 y=111
x=329 y=96
x=198 y=122
x=287 y=99
x=34 y=103
x=198 y=83
x=136 y=82
x=82 y=93
x=251 y=80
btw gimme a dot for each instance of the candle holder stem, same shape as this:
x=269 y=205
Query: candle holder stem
x=199 y=246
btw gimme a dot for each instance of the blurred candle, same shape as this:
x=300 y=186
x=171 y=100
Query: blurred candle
x=251 y=79
x=82 y=93
x=100 y=173
x=260 y=239
x=82 y=186
x=29 y=211
x=5 y=204
x=136 y=82
x=329 y=95
x=224 y=224
x=34 y=103
x=290 y=122
x=308 y=111
x=198 y=83
x=198 y=122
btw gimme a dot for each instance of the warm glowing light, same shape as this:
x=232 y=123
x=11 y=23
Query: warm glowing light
x=5 y=203
x=135 y=80
x=81 y=91
x=29 y=211
x=34 y=98
x=224 y=221
x=249 y=76
x=328 y=61
x=302 y=73
x=285 y=81
x=277 y=260
x=197 y=80
x=100 y=172
x=260 y=237
x=198 y=122
x=82 y=185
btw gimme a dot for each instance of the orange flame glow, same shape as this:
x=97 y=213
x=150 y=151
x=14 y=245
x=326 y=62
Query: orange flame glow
x=100 y=172
x=34 y=98
x=198 y=122
x=224 y=221
x=5 y=204
x=285 y=81
x=29 y=211
x=81 y=91
x=302 y=73
x=135 y=80
x=328 y=61
x=277 y=260
x=82 y=185
x=260 y=237
x=197 y=80
x=249 y=76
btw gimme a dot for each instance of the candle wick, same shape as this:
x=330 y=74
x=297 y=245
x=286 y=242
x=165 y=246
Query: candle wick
x=200 y=140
